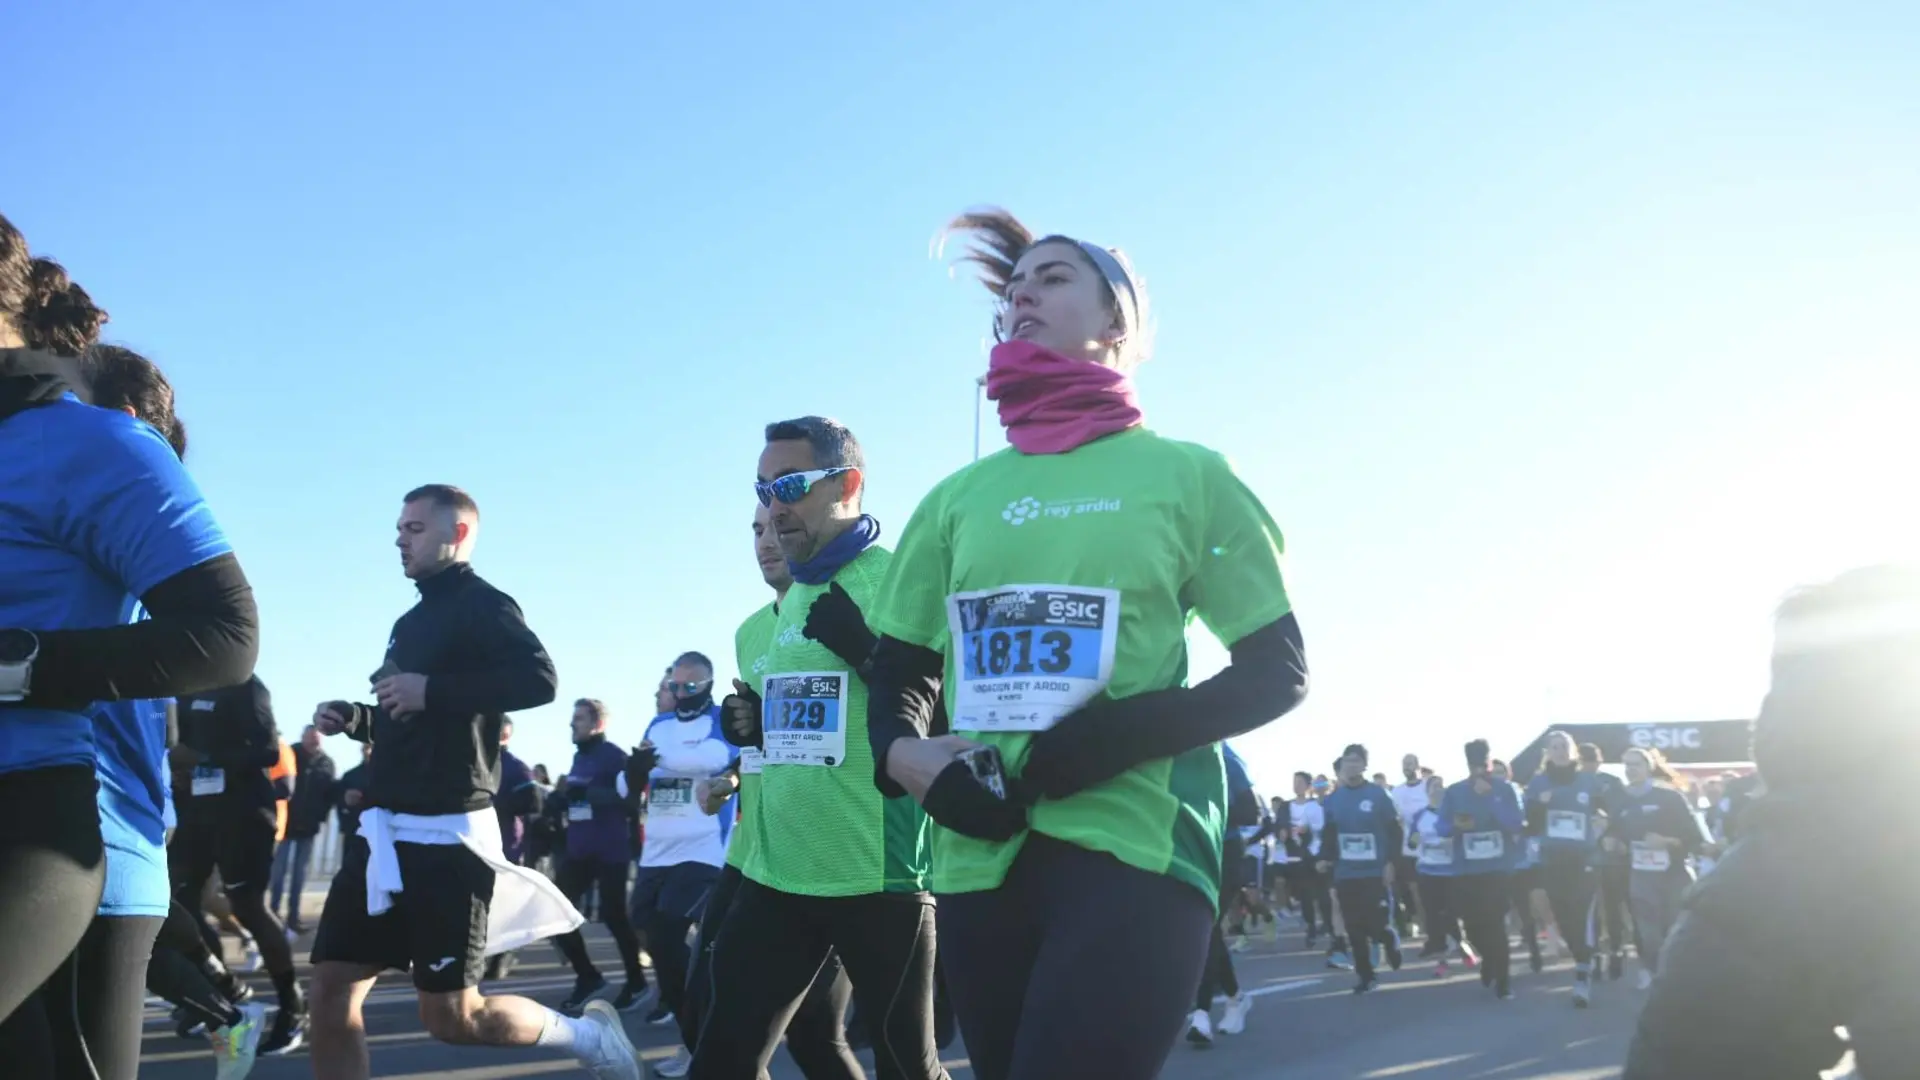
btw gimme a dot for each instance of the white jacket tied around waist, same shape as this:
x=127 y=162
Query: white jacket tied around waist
x=526 y=906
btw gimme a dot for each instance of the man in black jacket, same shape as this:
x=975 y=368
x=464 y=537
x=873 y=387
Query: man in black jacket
x=228 y=818
x=312 y=799
x=414 y=891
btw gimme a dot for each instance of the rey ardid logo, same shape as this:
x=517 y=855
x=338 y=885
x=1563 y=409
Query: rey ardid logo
x=1021 y=511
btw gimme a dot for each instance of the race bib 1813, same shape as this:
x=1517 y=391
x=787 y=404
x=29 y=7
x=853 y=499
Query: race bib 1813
x=1030 y=654
x=804 y=722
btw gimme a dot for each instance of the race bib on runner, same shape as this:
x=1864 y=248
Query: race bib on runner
x=1358 y=847
x=579 y=811
x=751 y=758
x=1480 y=846
x=208 y=780
x=1436 y=852
x=1029 y=654
x=1653 y=857
x=671 y=797
x=804 y=722
x=1566 y=825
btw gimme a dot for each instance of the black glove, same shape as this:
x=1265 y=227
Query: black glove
x=835 y=621
x=958 y=801
x=640 y=765
x=740 y=717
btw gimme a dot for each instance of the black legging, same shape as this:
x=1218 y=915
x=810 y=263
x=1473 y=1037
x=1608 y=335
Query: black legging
x=771 y=947
x=1480 y=901
x=85 y=1023
x=667 y=944
x=1311 y=888
x=576 y=879
x=52 y=868
x=1570 y=890
x=1443 y=919
x=1218 y=978
x=1616 y=914
x=817 y=1034
x=183 y=972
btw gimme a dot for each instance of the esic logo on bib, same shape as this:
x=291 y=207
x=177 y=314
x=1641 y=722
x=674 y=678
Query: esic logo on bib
x=1030 y=654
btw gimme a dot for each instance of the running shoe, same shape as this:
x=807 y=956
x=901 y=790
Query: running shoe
x=1200 y=1029
x=1238 y=943
x=1367 y=986
x=612 y=1056
x=1643 y=980
x=1582 y=989
x=188 y=1025
x=632 y=997
x=584 y=987
x=288 y=1034
x=675 y=1066
x=1234 y=1020
x=1394 y=957
x=1468 y=958
x=251 y=962
x=1503 y=992
x=1440 y=969
x=660 y=1016
x=235 y=1048
x=1338 y=960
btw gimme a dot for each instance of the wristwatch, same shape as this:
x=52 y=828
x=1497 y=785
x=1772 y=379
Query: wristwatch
x=18 y=650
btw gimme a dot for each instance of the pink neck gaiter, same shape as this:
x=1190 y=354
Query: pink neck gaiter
x=1050 y=404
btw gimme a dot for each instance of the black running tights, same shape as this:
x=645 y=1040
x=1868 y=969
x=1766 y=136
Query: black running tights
x=817 y=1034
x=86 y=1021
x=52 y=868
x=1218 y=977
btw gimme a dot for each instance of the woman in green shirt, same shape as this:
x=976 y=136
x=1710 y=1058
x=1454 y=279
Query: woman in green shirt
x=1047 y=589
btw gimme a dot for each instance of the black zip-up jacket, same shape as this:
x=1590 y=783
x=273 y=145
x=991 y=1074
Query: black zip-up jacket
x=481 y=662
x=312 y=793
x=232 y=732
x=354 y=779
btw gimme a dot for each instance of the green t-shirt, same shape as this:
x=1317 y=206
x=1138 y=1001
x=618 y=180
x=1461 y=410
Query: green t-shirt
x=1047 y=579
x=821 y=827
x=750 y=654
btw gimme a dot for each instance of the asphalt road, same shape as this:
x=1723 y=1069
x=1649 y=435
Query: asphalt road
x=1306 y=1025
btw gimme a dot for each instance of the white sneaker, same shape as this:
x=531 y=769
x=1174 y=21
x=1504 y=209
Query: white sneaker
x=1234 y=1020
x=1643 y=981
x=612 y=1056
x=1200 y=1029
x=236 y=1048
x=675 y=1066
x=251 y=962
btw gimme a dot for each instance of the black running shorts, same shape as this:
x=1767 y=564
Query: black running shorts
x=240 y=846
x=437 y=927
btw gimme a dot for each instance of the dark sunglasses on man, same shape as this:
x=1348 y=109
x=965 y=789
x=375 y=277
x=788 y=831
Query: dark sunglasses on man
x=686 y=689
x=793 y=487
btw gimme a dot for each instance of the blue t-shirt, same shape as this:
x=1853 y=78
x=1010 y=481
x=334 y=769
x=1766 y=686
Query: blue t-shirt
x=1363 y=832
x=1491 y=841
x=133 y=801
x=1566 y=815
x=95 y=510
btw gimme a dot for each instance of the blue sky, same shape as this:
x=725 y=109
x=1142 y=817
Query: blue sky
x=1560 y=339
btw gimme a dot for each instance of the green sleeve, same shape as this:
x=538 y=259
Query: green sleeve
x=912 y=603
x=1236 y=586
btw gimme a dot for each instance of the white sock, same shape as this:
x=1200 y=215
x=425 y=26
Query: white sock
x=568 y=1034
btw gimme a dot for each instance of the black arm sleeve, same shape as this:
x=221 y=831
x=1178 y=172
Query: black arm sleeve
x=903 y=701
x=518 y=673
x=202 y=633
x=1265 y=678
x=250 y=740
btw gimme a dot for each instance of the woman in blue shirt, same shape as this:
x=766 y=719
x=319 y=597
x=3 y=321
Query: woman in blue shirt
x=1652 y=825
x=97 y=511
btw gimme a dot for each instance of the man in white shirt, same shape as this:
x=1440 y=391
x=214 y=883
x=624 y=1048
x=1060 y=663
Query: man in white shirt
x=1408 y=799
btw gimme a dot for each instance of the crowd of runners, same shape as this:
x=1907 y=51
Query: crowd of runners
x=994 y=713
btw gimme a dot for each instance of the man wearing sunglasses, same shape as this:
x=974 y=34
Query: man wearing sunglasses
x=835 y=865
x=685 y=847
